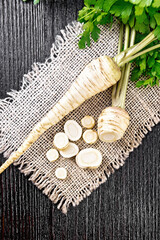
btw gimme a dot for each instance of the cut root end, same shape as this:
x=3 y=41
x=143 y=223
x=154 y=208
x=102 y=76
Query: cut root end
x=112 y=124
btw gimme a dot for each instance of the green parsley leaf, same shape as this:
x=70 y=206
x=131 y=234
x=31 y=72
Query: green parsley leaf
x=142 y=63
x=156 y=4
x=150 y=81
x=85 y=40
x=157 y=17
x=141 y=27
x=138 y=10
x=99 y=4
x=106 y=19
x=142 y=18
x=95 y=33
x=132 y=21
x=152 y=22
x=122 y=9
x=145 y=3
x=108 y=4
x=157 y=32
x=156 y=68
x=88 y=3
x=136 y=73
x=134 y=1
x=151 y=61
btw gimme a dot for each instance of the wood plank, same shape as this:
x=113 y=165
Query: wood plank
x=126 y=206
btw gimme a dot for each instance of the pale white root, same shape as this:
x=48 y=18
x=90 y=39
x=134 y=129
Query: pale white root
x=61 y=173
x=97 y=76
x=61 y=140
x=52 y=155
x=112 y=124
x=88 y=122
x=90 y=136
x=89 y=158
x=73 y=130
x=70 y=151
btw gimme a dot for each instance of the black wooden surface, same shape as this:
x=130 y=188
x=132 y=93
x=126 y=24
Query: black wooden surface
x=126 y=206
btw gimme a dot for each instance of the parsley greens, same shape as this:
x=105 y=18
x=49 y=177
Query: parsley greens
x=142 y=15
x=147 y=65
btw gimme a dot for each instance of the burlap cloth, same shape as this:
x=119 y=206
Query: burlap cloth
x=42 y=88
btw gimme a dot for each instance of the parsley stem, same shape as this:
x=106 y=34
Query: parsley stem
x=126 y=43
x=140 y=53
x=119 y=95
x=127 y=72
x=117 y=86
x=134 y=49
x=120 y=44
x=87 y=14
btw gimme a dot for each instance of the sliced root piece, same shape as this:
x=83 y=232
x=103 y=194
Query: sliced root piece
x=112 y=124
x=88 y=122
x=73 y=130
x=61 y=140
x=89 y=158
x=70 y=151
x=61 y=173
x=52 y=155
x=90 y=136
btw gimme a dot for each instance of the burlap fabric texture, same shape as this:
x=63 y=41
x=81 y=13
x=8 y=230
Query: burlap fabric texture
x=42 y=88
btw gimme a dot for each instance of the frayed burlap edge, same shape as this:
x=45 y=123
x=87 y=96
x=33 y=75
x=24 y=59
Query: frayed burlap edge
x=44 y=181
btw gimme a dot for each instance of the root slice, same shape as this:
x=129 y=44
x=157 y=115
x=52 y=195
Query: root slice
x=73 y=130
x=89 y=158
x=61 y=173
x=88 y=122
x=70 y=151
x=52 y=155
x=90 y=136
x=61 y=140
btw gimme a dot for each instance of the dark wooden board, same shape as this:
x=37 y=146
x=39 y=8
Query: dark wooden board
x=126 y=206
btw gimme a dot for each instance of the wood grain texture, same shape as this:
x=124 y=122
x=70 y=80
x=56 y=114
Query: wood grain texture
x=126 y=206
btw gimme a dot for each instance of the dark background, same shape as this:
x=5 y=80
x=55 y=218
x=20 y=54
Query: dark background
x=126 y=206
